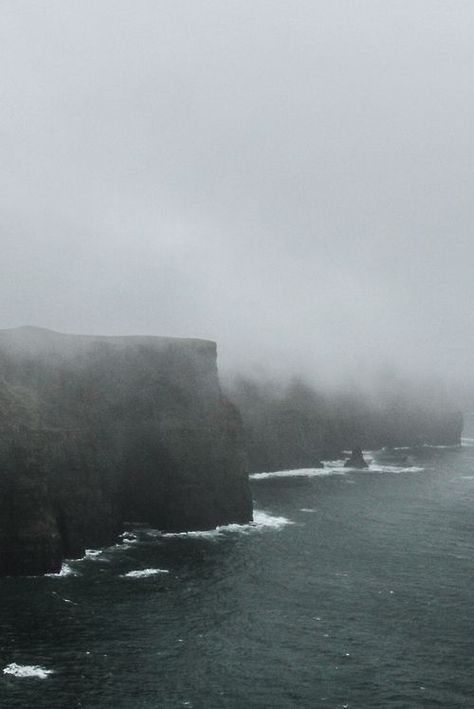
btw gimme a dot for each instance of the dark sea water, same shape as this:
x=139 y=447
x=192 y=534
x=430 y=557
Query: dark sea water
x=353 y=589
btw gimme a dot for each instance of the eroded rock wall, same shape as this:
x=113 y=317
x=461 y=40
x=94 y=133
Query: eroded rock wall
x=297 y=426
x=97 y=431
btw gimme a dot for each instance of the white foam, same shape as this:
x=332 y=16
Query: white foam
x=306 y=509
x=378 y=468
x=298 y=473
x=143 y=573
x=451 y=445
x=211 y=534
x=129 y=540
x=66 y=570
x=128 y=536
x=394 y=469
x=26 y=671
x=261 y=520
x=336 y=467
x=92 y=553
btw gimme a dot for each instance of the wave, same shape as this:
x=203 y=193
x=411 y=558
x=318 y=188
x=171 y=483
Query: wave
x=336 y=467
x=143 y=573
x=450 y=446
x=66 y=570
x=395 y=469
x=93 y=553
x=297 y=473
x=261 y=520
x=377 y=468
x=26 y=671
x=128 y=540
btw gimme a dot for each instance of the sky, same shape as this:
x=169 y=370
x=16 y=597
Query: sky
x=293 y=179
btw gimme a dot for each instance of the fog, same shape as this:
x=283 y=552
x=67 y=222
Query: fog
x=292 y=179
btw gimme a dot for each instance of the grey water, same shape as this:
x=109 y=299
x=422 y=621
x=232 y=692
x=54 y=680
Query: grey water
x=352 y=589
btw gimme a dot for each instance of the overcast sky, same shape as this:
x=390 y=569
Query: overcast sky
x=292 y=179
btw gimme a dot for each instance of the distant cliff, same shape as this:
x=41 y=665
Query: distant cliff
x=99 y=431
x=297 y=426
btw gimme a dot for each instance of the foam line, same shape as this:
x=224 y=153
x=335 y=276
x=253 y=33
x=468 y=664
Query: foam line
x=261 y=520
x=299 y=473
x=26 y=671
x=143 y=573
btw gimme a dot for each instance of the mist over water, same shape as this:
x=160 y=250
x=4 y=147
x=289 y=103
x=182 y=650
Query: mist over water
x=291 y=180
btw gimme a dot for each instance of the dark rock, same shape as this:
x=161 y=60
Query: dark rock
x=356 y=460
x=294 y=425
x=98 y=430
x=29 y=537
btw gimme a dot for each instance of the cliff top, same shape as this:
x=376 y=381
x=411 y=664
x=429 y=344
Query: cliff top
x=29 y=340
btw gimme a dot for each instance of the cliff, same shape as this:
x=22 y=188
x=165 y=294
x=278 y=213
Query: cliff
x=98 y=431
x=297 y=426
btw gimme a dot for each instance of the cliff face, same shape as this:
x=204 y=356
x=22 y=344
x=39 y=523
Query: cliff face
x=97 y=431
x=297 y=426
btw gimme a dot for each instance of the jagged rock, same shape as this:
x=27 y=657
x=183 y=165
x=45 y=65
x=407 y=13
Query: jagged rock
x=98 y=430
x=356 y=460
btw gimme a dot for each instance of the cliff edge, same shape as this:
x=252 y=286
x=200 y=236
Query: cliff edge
x=99 y=431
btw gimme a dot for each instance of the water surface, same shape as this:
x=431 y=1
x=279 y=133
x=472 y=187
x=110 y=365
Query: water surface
x=353 y=589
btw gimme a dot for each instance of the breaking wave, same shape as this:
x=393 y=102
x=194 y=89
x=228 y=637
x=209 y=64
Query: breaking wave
x=261 y=520
x=93 y=553
x=298 y=473
x=66 y=570
x=128 y=539
x=143 y=573
x=26 y=671
x=379 y=468
x=336 y=467
x=395 y=469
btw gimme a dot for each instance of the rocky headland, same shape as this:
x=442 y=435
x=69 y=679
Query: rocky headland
x=298 y=425
x=97 y=432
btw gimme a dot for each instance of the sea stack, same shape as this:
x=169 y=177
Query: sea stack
x=99 y=431
x=356 y=460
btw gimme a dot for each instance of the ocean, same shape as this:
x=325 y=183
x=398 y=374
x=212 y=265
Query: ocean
x=351 y=589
